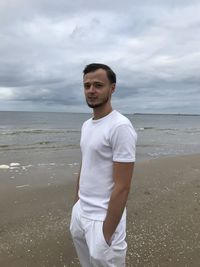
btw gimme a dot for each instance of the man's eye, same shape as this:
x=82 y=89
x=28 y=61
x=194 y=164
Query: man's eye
x=98 y=85
x=86 y=86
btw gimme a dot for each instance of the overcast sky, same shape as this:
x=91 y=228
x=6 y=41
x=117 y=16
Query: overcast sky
x=153 y=46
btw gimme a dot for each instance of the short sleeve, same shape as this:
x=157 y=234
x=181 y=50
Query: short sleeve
x=123 y=142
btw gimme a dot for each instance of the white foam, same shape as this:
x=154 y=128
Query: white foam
x=4 y=166
x=73 y=164
x=26 y=167
x=43 y=164
x=24 y=185
x=70 y=164
x=14 y=164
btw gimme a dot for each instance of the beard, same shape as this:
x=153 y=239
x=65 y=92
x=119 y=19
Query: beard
x=101 y=103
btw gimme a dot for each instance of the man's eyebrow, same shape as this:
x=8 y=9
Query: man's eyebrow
x=93 y=82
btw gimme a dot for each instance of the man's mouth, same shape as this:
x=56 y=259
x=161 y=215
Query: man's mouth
x=92 y=98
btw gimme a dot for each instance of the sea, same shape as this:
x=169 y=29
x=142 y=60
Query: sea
x=159 y=135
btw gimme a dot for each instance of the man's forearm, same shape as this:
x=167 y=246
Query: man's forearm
x=115 y=210
x=77 y=187
x=122 y=176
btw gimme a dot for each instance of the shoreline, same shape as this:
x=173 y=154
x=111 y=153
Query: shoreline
x=162 y=225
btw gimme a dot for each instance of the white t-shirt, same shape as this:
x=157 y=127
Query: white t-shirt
x=103 y=141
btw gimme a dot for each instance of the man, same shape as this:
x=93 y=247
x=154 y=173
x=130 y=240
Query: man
x=98 y=223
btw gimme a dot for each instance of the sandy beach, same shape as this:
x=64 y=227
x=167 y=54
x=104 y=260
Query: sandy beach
x=163 y=214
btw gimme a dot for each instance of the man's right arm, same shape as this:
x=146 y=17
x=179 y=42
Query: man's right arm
x=77 y=186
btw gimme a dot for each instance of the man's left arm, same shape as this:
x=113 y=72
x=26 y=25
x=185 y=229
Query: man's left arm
x=122 y=176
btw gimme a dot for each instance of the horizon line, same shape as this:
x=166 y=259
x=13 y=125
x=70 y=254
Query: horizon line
x=134 y=113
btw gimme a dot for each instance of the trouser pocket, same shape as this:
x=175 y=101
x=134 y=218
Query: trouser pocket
x=73 y=216
x=102 y=237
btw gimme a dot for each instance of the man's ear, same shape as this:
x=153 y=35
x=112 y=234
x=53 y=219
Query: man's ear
x=113 y=86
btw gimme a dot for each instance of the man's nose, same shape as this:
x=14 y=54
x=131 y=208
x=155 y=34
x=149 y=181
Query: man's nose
x=92 y=88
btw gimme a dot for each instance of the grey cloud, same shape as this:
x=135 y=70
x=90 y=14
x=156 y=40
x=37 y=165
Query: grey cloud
x=152 y=45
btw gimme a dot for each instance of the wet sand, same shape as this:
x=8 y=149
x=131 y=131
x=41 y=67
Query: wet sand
x=163 y=214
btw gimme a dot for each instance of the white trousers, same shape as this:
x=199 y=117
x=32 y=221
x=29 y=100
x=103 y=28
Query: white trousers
x=90 y=244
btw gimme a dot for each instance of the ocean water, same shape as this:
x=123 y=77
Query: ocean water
x=158 y=135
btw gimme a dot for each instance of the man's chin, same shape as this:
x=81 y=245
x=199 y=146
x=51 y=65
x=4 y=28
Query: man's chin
x=94 y=105
x=97 y=105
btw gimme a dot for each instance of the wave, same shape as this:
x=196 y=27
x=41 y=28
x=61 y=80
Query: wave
x=145 y=128
x=156 y=129
x=64 y=131
x=4 y=146
x=39 y=145
x=192 y=130
x=149 y=145
x=170 y=130
x=39 y=131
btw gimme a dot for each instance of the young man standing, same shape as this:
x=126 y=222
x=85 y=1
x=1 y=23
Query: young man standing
x=108 y=140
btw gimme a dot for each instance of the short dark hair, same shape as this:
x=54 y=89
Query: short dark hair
x=95 y=66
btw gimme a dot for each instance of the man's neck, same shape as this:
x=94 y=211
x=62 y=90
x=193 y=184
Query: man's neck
x=100 y=113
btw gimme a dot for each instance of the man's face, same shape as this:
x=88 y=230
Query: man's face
x=97 y=88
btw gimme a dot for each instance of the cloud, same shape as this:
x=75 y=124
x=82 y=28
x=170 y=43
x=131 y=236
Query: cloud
x=153 y=48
